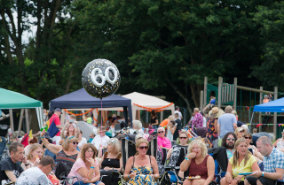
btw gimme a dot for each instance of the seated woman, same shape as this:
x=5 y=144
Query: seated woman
x=66 y=154
x=112 y=161
x=69 y=129
x=199 y=163
x=252 y=148
x=141 y=169
x=241 y=162
x=178 y=152
x=34 y=153
x=137 y=127
x=163 y=142
x=86 y=168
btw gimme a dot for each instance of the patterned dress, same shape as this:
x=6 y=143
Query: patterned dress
x=211 y=133
x=143 y=176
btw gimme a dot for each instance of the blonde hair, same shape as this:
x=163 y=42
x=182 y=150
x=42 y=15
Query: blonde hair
x=114 y=142
x=199 y=142
x=185 y=133
x=236 y=154
x=67 y=141
x=140 y=141
x=32 y=148
x=65 y=130
x=84 y=150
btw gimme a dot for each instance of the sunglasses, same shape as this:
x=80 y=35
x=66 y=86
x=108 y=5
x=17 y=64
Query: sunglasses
x=75 y=143
x=230 y=139
x=161 y=132
x=183 y=137
x=143 y=147
x=248 y=137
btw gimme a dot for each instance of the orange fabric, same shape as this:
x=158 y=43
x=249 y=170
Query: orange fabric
x=164 y=123
x=78 y=114
x=157 y=109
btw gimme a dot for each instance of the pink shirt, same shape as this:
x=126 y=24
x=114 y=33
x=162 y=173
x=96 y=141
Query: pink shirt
x=164 y=142
x=79 y=163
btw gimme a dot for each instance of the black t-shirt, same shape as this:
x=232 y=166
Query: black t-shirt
x=8 y=165
x=179 y=127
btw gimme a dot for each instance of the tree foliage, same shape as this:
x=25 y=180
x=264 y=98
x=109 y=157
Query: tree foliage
x=161 y=47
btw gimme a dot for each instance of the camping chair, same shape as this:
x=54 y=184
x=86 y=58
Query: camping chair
x=128 y=149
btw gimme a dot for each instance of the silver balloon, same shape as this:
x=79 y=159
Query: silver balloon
x=100 y=78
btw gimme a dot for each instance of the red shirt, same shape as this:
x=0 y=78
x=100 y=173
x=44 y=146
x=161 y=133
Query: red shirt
x=56 y=119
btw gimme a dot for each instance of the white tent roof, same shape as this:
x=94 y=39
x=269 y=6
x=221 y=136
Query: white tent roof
x=146 y=100
x=140 y=100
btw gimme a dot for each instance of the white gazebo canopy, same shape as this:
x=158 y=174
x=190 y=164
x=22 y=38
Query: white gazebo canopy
x=141 y=101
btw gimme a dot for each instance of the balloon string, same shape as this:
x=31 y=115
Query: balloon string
x=101 y=113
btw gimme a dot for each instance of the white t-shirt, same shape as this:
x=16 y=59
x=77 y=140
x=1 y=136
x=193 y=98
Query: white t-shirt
x=33 y=176
x=179 y=114
x=82 y=142
x=98 y=140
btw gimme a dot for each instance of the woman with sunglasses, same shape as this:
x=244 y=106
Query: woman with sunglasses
x=86 y=168
x=66 y=154
x=201 y=166
x=111 y=161
x=252 y=148
x=141 y=169
x=241 y=162
x=163 y=142
x=178 y=152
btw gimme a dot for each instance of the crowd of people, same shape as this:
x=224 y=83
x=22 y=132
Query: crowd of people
x=191 y=150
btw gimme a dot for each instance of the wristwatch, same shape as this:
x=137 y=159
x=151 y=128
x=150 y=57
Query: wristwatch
x=262 y=174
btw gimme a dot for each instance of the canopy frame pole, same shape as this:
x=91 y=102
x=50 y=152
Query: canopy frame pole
x=251 y=121
x=27 y=120
x=275 y=113
x=11 y=119
x=20 y=121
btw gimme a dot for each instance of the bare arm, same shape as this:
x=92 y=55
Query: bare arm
x=173 y=129
x=155 y=167
x=169 y=153
x=52 y=147
x=229 y=176
x=235 y=126
x=275 y=143
x=11 y=176
x=128 y=167
x=216 y=125
x=210 y=169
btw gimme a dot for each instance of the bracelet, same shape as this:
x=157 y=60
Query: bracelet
x=92 y=167
x=186 y=158
x=262 y=174
x=128 y=176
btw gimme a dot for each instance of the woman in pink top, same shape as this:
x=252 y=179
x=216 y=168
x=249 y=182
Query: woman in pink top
x=163 y=142
x=86 y=168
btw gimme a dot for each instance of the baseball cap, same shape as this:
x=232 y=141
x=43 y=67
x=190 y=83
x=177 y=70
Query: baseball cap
x=57 y=110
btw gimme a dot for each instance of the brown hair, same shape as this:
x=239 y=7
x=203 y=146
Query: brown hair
x=84 y=150
x=47 y=160
x=32 y=148
x=14 y=147
x=236 y=154
x=67 y=141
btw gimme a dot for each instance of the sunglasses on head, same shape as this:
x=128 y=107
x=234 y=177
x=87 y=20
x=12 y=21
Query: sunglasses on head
x=183 y=137
x=75 y=143
x=143 y=147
